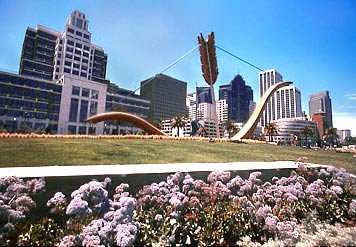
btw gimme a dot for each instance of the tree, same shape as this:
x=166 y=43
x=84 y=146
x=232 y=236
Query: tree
x=270 y=130
x=331 y=136
x=157 y=124
x=25 y=129
x=230 y=127
x=307 y=131
x=178 y=122
x=350 y=140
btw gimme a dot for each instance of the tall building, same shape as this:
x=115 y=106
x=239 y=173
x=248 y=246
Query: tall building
x=61 y=82
x=239 y=98
x=49 y=54
x=203 y=95
x=38 y=49
x=284 y=103
x=321 y=102
x=267 y=79
x=221 y=110
x=191 y=104
x=343 y=134
x=288 y=103
x=319 y=119
x=167 y=96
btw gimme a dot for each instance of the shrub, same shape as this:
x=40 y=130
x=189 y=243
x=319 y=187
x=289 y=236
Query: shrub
x=310 y=207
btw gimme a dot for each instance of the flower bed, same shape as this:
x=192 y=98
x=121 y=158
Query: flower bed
x=310 y=207
x=153 y=137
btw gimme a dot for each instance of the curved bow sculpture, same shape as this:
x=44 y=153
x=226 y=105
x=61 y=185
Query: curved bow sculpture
x=127 y=117
x=252 y=122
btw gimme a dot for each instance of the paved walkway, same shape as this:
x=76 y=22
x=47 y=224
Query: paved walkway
x=55 y=171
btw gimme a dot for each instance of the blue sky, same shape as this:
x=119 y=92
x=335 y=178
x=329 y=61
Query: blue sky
x=312 y=43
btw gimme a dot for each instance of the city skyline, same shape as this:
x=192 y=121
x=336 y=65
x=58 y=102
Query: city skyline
x=311 y=44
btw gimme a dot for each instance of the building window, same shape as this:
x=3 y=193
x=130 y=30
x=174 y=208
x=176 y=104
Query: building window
x=79 y=23
x=83 y=110
x=78 y=33
x=75 y=72
x=70 y=30
x=93 y=108
x=94 y=94
x=72 y=129
x=42 y=106
x=74 y=103
x=75 y=90
x=85 y=92
x=31 y=84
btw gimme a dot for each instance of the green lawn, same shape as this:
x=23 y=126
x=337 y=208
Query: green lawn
x=46 y=152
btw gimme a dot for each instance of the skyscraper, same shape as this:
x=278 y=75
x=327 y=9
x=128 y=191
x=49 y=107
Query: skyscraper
x=288 y=103
x=267 y=79
x=48 y=54
x=167 y=96
x=61 y=82
x=284 y=103
x=321 y=102
x=239 y=97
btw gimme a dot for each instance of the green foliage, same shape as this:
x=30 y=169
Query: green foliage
x=25 y=129
x=40 y=130
x=43 y=233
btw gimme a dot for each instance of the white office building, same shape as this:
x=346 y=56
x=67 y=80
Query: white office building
x=284 y=103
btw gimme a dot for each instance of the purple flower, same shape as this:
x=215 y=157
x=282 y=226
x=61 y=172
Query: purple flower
x=262 y=213
x=336 y=189
x=159 y=218
x=271 y=223
x=323 y=173
x=290 y=197
x=174 y=179
x=78 y=208
x=35 y=185
x=58 y=203
x=175 y=201
x=91 y=240
x=286 y=228
x=352 y=209
x=68 y=241
x=218 y=176
x=126 y=234
x=254 y=177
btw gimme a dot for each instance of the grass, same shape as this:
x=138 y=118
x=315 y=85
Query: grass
x=48 y=152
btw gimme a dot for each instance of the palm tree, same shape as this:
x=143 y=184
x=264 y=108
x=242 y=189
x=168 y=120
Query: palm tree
x=230 y=127
x=157 y=124
x=307 y=131
x=178 y=122
x=270 y=130
x=331 y=135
